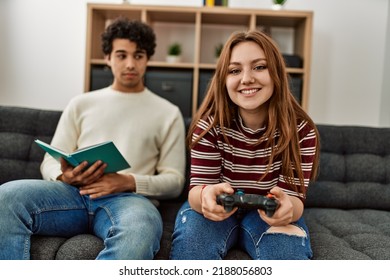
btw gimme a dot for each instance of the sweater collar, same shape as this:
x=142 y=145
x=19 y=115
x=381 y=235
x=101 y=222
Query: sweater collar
x=248 y=131
x=144 y=91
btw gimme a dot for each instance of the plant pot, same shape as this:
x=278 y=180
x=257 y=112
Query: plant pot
x=278 y=4
x=173 y=58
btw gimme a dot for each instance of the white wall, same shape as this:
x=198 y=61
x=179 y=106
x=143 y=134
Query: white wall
x=385 y=100
x=43 y=53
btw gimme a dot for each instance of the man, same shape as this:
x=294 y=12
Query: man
x=117 y=207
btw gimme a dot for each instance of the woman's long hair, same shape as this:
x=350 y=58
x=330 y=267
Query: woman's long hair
x=284 y=112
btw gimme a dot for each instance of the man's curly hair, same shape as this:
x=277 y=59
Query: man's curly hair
x=133 y=30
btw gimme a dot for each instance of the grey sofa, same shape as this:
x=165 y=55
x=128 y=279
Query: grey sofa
x=347 y=209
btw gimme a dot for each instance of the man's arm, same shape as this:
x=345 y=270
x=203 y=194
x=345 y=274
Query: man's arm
x=169 y=179
x=65 y=137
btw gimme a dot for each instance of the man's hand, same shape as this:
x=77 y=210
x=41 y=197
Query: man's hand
x=79 y=175
x=109 y=184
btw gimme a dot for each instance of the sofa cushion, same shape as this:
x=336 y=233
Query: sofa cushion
x=354 y=139
x=82 y=246
x=360 y=234
x=19 y=127
x=354 y=168
x=355 y=195
x=45 y=247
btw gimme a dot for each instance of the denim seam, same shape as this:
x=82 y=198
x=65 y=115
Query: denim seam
x=42 y=210
x=253 y=240
x=26 y=253
x=224 y=250
x=109 y=214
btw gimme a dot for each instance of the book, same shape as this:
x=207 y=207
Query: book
x=107 y=152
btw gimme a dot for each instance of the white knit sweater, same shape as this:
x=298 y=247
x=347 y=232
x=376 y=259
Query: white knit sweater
x=147 y=129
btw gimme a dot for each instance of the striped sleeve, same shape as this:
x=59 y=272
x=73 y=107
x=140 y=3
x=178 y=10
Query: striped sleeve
x=205 y=157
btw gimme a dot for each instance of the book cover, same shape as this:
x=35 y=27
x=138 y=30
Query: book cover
x=106 y=152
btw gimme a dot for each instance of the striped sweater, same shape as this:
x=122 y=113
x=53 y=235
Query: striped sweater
x=241 y=163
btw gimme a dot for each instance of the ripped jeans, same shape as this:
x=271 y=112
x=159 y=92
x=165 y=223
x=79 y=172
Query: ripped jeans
x=197 y=238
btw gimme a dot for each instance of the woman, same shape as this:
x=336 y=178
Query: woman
x=249 y=134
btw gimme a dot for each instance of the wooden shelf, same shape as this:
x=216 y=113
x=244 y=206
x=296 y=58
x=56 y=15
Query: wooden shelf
x=199 y=30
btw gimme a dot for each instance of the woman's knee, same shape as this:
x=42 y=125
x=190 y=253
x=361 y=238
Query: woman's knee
x=283 y=246
x=288 y=229
x=288 y=242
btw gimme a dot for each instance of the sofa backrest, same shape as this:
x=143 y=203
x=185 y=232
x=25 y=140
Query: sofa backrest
x=354 y=168
x=20 y=157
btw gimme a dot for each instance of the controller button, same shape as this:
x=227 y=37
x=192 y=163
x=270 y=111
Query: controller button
x=229 y=199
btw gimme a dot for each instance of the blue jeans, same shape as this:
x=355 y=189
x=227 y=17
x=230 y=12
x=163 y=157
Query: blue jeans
x=197 y=238
x=129 y=224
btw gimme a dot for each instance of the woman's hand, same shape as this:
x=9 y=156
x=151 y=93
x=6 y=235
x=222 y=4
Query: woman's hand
x=290 y=209
x=207 y=201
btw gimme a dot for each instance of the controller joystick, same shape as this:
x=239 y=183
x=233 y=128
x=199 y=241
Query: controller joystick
x=248 y=201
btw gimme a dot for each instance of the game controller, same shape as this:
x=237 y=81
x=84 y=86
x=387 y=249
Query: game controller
x=248 y=201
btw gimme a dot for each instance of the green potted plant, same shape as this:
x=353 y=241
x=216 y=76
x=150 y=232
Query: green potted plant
x=217 y=50
x=174 y=53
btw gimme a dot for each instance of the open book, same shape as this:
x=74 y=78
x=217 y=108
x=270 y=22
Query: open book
x=107 y=152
